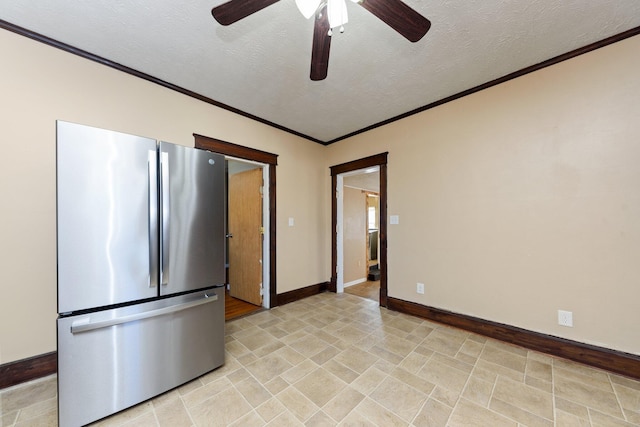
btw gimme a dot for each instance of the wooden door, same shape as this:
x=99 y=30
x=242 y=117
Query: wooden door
x=245 y=225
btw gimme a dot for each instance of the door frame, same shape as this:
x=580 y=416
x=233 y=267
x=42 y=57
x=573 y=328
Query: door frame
x=367 y=162
x=271 y=161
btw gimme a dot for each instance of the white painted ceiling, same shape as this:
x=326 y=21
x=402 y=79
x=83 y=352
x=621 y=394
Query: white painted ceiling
x=260 y=65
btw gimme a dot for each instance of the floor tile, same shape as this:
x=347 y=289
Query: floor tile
x=600 y=419
x=343 y=403
x=444 y=375
x=253 y=392
x=413 y=380
x=319 y=419
x=378 y=415
x=432 y=414
x=20 y=397
x=443 y=341
x=601 y=400
x=270 y=409
x=249 y=420
x=504 y=358
x=268 y=367
x=340 y=371
x=286 y=419
x=468 y=414
x=591 y=377
x=399 y=398
x=173 y=414
x=522 y=396
x=478 y=391
x=320 y=386
x=355 y=359
x=221 y=410
x=297 y=403
x=369 y=380
x=540 y=370
x=342 y=360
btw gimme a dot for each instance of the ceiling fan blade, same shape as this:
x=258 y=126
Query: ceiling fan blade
x=320 y=46
x=234 y=10
x=409 y=23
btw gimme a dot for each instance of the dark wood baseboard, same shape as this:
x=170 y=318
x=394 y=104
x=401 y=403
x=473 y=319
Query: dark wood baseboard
x=298 y=294
x=24 y=370
x=626 y=364
x=20 y=371
x=611 y=360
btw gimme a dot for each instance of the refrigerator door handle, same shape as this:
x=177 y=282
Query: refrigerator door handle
x=153 y=218
x=165 y=214
x=85 y=324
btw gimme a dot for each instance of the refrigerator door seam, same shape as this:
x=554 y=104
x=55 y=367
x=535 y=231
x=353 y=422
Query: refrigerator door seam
x=166 y=208
x=153 y=218
x=85 y=325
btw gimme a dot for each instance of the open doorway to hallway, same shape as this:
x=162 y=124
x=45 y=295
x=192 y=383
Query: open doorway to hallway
x=344 y=223
x=360 y=232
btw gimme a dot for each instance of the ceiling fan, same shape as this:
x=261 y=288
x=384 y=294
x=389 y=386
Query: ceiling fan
x=331 y=14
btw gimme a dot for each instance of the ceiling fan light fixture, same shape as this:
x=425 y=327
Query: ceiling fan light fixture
x=395 y=13
x=308 y=7
x=337 y=13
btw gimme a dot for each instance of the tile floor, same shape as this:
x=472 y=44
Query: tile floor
x=341 y=360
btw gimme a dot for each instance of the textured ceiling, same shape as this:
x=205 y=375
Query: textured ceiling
x=260 y=65
x=368 y=179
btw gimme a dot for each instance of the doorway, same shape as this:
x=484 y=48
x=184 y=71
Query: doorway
x=245 y=231
x=339 y=173
x=268 y=162
x=358 y=268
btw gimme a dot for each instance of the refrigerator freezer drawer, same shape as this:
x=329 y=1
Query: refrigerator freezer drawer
x=113 y=359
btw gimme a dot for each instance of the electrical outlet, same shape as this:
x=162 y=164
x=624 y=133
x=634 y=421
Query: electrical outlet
x=565 y=318
x=420 y=288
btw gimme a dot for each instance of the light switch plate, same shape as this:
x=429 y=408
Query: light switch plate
x=394 y=219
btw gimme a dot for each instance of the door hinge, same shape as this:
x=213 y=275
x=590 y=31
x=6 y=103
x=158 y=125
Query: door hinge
x=261 y=290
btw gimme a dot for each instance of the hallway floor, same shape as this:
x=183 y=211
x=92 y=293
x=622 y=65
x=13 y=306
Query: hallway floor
x=368 y=289
x=235 y=308
x=342 y=360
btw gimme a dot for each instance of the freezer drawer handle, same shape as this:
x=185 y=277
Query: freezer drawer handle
x=82 y=325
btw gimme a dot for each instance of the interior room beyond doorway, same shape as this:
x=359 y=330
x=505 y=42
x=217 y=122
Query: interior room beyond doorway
x=245 y=238
x=360 y=232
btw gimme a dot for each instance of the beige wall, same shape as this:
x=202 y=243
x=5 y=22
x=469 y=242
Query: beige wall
x=523 y=199
x=514 y=202
x=354 y=244
x=39 y=84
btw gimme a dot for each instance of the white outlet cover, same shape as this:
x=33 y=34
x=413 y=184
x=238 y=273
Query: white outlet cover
x=565 y=318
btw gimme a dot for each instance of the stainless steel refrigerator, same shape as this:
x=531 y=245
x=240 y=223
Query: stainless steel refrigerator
x=140 y=251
